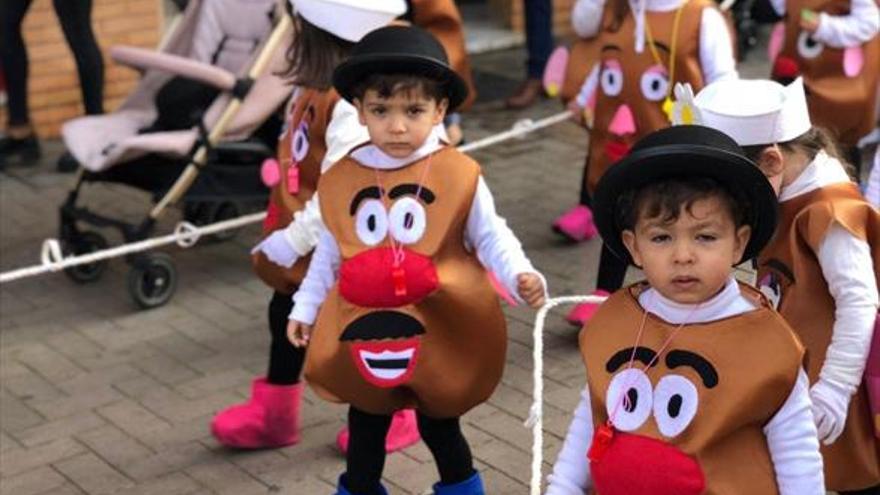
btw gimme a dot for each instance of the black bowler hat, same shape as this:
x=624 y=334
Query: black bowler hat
x=399 y=50
x=686 y=151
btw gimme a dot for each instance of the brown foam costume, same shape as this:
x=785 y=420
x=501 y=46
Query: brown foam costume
x=789 y=273
x=843 y=103
x=687 y=431
x=443 y=19
x=299 y=169
x=431 y=336
x=620 y=96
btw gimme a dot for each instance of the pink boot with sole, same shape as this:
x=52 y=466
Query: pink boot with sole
x=582 y=313
x=576 y=224
x=404 y=432
x=270 y=418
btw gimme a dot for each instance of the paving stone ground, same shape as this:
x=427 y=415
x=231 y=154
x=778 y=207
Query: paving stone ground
x=98 y=397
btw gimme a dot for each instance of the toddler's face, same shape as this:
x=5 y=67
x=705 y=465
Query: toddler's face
x=399 y=124
x=688 y=260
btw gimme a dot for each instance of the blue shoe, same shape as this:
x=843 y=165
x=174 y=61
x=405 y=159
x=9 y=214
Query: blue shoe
x=342 y=490
x=470 y=486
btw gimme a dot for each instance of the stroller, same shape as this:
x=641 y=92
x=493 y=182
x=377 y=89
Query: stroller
x=220 y=63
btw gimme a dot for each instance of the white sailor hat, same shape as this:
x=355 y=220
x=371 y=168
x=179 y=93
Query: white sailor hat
x=349 y=19
x=754 y=111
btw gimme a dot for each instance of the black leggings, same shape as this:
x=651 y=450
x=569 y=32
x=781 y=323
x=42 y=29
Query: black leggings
x=867 y=491
x=285 y=360
x=75 y=17
x=366 y=450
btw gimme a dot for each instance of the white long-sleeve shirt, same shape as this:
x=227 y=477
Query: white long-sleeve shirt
x=872 y=190
x=716 y=48
x=344 y=132
x=849 y=271
x=841 y=31
x=495 y=244
x=791 y=434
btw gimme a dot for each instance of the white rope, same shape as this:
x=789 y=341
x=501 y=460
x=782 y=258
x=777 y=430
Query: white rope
x=186 y=235
x=536 y=413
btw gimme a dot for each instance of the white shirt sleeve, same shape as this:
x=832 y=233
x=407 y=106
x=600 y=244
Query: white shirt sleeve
x=716 y=48
x=497 y=247
x=849 y=271
x=344 y=132
x=586 y=17
x=853 y=29
x=794 y=444
x=318 y=280
x=571 y=472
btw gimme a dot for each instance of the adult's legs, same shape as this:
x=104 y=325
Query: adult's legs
x=76 y=22
x=13 y=57
x=539 y=44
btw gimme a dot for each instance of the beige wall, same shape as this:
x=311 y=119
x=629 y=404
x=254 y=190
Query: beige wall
x=53 y=84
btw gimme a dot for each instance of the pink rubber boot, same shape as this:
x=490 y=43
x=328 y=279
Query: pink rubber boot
x=576 y=224
x=404 y=432
x=269 y=419
x=582 y=313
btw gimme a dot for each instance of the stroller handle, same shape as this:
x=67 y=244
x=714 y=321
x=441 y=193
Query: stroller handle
x=142 y=58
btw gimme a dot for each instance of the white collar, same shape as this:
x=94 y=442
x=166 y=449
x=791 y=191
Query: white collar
x=662 y=5
x=822 y=171
x=729 y=302
x=371 y=156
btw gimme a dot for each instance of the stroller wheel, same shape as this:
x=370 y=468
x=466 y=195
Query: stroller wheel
x=152 y=280
x=84 y=243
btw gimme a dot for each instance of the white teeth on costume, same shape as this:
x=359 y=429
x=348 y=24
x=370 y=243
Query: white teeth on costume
x=374 y=362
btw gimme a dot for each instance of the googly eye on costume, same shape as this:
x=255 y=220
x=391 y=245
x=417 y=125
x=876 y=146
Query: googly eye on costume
x=629 y=414
x=655 y=83
x=675 y=404
x=407 y=220
x=808 y=47
x=300 y=145
x=371 y=222
x=611 y=78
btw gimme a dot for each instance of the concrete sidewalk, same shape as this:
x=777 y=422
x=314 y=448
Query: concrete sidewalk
x=97 y=397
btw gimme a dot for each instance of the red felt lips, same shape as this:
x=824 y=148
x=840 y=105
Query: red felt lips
x=785 y=68
x=616 y=150
x=636 y=464
x=371 y=280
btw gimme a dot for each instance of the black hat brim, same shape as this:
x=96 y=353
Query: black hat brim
x=649 y=165
x=348 y=74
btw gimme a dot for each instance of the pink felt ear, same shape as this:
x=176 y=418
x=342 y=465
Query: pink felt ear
x=554 y=71
x=623 y=122
x=270 y=172
x=777 y=37
x=853 y=61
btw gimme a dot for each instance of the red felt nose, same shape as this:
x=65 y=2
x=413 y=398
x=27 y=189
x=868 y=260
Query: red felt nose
x=634 y=464
x=785 y=68
x=371 y=279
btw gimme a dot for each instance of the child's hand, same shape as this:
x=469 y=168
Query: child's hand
x=582 y=115
x=809 y=20
x=531 y=289
x=298 y=333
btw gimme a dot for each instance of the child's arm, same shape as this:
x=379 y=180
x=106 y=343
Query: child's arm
x=571 y=472
x=586 y=17
x=849 y=271
x=842 y=31
x=497 y=247
x=318 y=280
x=284 y=246
x=716 y=47
x=793 y=444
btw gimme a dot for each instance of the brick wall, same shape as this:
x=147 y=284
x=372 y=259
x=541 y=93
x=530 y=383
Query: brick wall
x=53 y=85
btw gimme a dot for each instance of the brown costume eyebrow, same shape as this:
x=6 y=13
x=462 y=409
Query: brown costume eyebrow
x=367 y=192
x=643 y=354
x=704 y=368
x=423 y=192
